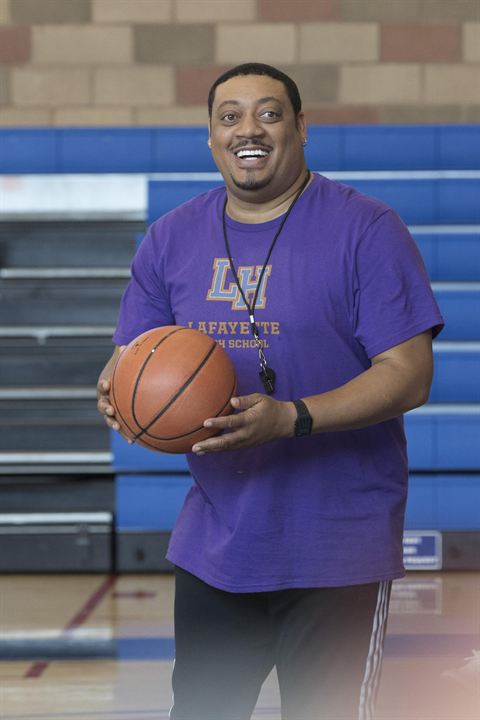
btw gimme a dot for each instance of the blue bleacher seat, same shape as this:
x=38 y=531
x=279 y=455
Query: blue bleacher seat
x=457 y=373
x=165 y=195
x=446 y=502
x=444 y=438
x=460 y=306
x=390 y=148
x=452 y=256
x=458 y=147
x=130 y=458
x=149 y=502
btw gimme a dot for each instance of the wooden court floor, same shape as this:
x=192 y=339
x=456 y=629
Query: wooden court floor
x=101 y=648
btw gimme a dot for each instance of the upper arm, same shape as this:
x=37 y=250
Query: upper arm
x=413 y=358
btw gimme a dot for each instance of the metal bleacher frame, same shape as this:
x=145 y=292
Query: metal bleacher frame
x=429 y=174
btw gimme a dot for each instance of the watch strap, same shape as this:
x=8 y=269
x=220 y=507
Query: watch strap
x=304 y=422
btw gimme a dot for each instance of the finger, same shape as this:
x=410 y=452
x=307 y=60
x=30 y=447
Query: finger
x=226 y=422
x=245 y=402
x=103 y=386
x=104 y=407
x=229 y=441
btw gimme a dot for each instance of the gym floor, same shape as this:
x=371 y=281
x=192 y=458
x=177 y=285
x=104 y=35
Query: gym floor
x=91 y=647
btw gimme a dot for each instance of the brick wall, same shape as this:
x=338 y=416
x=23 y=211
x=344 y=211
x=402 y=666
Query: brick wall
x=151 y=62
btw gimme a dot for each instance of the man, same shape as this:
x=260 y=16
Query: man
x=287 y=544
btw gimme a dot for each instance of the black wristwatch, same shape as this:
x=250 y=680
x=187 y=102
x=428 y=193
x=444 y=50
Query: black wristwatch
x=304 y=422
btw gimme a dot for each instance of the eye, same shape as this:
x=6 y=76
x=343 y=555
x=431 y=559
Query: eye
x=271 y=115
x=229 y=117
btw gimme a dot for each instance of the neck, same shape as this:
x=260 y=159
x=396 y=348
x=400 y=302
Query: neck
x=255 y=213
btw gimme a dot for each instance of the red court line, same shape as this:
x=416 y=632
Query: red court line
x=37 y=668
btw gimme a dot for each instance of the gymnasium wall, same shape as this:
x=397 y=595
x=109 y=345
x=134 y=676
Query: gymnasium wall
x=150 y=62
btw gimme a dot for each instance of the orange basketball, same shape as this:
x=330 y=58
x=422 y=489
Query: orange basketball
x=166 y=383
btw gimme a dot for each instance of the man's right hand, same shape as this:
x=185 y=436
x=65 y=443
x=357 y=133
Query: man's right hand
x=104 y=405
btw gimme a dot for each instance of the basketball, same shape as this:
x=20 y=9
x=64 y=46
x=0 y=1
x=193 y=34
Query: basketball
x=166 y=383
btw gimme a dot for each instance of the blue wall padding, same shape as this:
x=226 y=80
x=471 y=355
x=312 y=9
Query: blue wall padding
x=443 y=442
x=459 y=147
x=409 y=147
x=325 y=148
x=456 y=377
x=165 y=195
x=149 y=502
x=390 y=148
x=443 y=502
x=422 y=508
x=461 y=311
x=450 y=256
x=458 y=201
x=28 y=151
x=182 y=150
x=106 y=151
x=414 y=200
x=133 y=458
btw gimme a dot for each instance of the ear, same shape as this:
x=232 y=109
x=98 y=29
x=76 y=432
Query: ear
x=209 y=143
x=301 y=126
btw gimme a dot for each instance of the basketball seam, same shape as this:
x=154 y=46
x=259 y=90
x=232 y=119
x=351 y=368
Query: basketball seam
x=142 y=370
x=176 y=395
x=126 y=424
x=178 y=437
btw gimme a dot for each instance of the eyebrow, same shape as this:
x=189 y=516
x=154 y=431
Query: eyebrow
x=269 y=98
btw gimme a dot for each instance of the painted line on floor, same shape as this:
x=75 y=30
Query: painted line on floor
x=39 y=667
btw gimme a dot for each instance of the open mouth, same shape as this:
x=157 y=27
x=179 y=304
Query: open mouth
x=252 y=154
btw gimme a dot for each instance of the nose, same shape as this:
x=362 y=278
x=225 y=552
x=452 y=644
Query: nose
x=249 y=126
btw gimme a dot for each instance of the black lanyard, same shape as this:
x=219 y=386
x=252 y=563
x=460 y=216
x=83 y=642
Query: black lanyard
x=267 y=374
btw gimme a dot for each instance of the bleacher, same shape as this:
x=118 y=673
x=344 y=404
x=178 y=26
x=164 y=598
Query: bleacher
x=73 y=202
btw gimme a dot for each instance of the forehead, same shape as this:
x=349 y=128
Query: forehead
x=247 y=89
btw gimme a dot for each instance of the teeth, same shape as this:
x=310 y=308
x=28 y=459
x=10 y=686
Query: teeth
x=251 y=153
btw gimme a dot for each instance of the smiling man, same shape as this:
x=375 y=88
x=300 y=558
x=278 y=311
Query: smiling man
x=287 y=544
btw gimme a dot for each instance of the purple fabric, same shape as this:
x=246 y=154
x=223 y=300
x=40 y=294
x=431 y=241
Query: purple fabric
x=345 y=283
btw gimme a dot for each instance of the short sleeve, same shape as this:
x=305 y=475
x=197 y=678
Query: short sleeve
x=145 y=303
x=393 y=300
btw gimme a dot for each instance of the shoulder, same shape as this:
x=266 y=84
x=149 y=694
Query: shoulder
x=356 y=205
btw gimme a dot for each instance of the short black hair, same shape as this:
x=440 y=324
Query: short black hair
x=258 y=69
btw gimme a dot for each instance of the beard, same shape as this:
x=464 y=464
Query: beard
x=251 y=184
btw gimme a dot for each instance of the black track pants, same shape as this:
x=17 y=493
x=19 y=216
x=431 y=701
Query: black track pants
x=326 y=644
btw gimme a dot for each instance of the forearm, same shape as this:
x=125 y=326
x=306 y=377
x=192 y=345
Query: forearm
x=382 y=392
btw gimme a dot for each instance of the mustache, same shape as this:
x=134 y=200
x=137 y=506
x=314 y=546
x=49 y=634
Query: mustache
x=250 y=144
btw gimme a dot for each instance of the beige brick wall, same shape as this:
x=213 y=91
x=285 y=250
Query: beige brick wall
x=151 y=62
x=339 y=42
x=124 y=11
x=81 y=45
x=376 y=84
x=4 y=12
x=471 y=42
x=266 y=42
x=50 y=87
x=215 y=10
x=147 y=85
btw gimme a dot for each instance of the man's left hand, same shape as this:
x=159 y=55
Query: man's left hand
x=259 y=419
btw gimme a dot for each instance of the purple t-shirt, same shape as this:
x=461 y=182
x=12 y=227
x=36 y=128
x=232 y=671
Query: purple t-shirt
x=345 y=282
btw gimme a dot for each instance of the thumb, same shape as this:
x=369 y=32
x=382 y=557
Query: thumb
x=245 y=401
